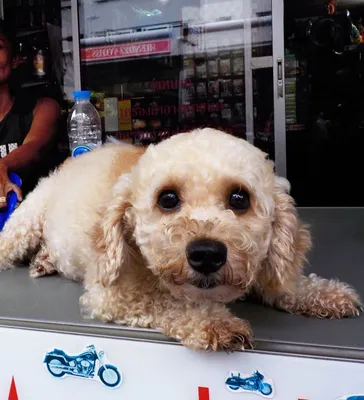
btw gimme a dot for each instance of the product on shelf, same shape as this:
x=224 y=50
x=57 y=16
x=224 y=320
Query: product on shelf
x=155 y=123
x=238 y=63
x=238 y=87
x=201 y=89
x=188 y=68
x=225 y=67
x=213 y=89
x=40 y=58
x=111 y=114
x=189 y=93
x=139 y=124
x=226 y=88
x=201 y=70
x=292 y=72
x=226 y=113
x=212 y=68
x=124 y=113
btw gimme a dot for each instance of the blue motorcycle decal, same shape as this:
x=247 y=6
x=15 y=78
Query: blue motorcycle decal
x=89 y=364
x=254 y=383
x=352 y=397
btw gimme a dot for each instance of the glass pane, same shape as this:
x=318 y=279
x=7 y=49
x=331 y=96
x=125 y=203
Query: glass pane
x=324 y=102
x=159 y=67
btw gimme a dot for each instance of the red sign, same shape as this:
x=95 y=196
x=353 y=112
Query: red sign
x=203 y=393
x=125 y=50
x=13 y=395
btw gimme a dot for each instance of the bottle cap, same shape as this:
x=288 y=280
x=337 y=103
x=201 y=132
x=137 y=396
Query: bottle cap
x=81 y=95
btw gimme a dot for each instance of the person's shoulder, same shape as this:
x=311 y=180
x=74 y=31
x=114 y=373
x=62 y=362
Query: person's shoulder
x=27 y=102
x=46 y=102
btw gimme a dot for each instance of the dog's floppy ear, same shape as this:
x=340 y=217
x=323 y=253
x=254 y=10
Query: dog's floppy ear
x=289 y=242
x=109 y=237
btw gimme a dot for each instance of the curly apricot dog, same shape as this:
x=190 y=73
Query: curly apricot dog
x=163 y=237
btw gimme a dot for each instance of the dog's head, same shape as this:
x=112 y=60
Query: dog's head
x=209 y=217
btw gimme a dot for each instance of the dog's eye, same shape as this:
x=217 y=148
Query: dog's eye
x=168 y=200
x=239 y=200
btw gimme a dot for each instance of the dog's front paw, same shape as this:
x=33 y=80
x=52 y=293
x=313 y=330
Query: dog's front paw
x=334 y=299
x=343 y=301
x=221 y=334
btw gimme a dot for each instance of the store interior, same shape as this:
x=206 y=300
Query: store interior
x=194 y=73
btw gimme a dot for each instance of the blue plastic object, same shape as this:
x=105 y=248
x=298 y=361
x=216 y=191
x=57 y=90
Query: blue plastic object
x=82 y=95
x=11 y=200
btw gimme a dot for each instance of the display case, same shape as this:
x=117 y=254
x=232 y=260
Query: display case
x=160 y=67
x=288 y=78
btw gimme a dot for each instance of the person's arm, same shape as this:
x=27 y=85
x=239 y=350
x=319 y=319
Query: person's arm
x=41 y=134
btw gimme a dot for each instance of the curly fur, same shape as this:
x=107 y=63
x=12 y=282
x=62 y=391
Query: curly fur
x=96 y=220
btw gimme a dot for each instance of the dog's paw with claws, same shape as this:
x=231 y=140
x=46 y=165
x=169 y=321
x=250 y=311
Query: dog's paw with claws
x=221 y=334
x=342 y=301
x=325 y=298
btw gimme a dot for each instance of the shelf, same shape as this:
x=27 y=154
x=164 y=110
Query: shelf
x=30 y=31
x=35 y=83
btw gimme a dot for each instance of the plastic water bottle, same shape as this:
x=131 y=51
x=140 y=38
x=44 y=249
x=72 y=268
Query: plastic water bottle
x=84 y=124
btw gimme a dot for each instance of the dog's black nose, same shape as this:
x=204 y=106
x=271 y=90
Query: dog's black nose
x=206 y=256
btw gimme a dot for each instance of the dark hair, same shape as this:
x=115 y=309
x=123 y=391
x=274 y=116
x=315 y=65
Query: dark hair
x=7 y=31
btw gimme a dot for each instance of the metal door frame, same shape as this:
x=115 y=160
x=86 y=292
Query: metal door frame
x=280 y=145
x=76 y=45
x=277 y=62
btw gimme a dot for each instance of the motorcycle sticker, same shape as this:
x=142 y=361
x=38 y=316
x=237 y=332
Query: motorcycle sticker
x=352 y=397
x=88 y=364
x=254 y=383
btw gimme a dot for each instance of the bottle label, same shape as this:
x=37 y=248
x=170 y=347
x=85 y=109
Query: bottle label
x=81 y=149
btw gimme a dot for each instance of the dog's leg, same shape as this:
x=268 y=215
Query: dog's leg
x=318 y=297
x=203 y=326
x=42 y=264
x=22 y=233
x=199 y=326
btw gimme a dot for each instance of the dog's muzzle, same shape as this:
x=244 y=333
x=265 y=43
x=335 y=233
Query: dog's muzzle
x=206 y=256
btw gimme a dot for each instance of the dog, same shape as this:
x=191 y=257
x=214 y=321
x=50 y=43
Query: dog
x=164 y=237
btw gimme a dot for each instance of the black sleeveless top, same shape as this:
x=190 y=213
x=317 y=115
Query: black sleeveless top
x=14 y=127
